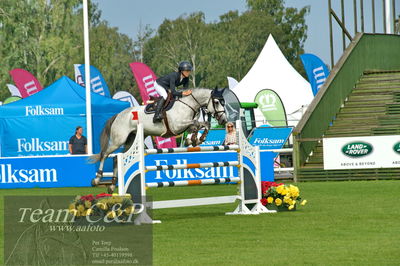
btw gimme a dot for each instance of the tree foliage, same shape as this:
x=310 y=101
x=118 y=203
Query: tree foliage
x=229 y=46
x=45 y=37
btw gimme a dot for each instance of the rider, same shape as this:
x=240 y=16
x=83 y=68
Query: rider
x=169 y=83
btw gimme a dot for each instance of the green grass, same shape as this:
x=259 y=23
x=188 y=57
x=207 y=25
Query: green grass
x=344 y=223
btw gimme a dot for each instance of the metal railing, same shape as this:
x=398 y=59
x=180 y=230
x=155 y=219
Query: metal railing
x=359 y=16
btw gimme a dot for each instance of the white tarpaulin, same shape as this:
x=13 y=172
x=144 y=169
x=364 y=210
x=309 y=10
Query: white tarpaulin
x=272 y=71
x=232 y=83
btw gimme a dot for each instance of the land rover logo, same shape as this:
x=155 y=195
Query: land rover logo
x=396 y=147
x=357 y=149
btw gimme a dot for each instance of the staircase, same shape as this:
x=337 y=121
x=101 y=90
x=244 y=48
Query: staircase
x=371 y=109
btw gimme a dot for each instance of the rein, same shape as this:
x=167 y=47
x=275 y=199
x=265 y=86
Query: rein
x=217 y=114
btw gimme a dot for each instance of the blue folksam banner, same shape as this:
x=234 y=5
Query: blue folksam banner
x=316 y=69
x=267 y=166
x=190 y=174
x=97 y=82
x=270 y=137
x=43 y=123
x=51 y=171
x=57 y=171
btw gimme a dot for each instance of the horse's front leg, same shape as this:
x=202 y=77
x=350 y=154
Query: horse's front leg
x=206 y=126
x=194 y=129
x=204 y=135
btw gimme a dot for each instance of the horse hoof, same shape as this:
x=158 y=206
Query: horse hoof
x=95 y=182
x=111 y=189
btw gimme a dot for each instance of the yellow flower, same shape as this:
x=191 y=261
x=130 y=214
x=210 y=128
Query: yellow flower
x=284 y=191
x=88 y=212
x=81 y=208
x=278 y=202
x=287 y=199
x=73 y=211
x=111 y=214
x=116 y=199
x=304 y=202
x=129 y=210
x=294 y=191
x=280 y=189
x=102 y=205
x=71 y=206
x=119 y=212
x=87 y=204
x=270 y=199
x=291 y=207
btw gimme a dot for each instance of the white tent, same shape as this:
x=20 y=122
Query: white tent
x=272 y=71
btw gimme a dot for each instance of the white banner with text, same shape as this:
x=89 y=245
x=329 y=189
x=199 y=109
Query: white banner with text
x=361 y=152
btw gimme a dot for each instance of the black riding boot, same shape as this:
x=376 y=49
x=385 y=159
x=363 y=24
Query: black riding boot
x=158 y=115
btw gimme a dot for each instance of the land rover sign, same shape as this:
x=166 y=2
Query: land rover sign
x=357 y=149
x=396 y=148
x=361 y=152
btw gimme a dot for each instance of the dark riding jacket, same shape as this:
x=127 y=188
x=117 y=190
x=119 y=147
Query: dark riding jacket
x=171 y=81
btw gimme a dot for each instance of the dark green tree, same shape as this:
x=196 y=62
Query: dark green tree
x=178 y=40
x=229 y=46
x=45 y=37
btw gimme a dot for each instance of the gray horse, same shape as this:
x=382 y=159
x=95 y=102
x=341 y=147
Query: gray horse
x=121 y=128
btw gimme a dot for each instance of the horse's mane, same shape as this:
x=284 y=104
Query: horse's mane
x=215 y=92
x=201 y=89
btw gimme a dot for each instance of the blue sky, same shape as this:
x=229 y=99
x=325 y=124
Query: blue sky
x=128 y=14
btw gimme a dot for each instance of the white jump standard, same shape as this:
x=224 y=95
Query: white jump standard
x=132 y=176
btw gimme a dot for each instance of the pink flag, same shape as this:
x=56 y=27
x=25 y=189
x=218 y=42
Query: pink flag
x=26 y=83
x=165 y=143
x=145 y=79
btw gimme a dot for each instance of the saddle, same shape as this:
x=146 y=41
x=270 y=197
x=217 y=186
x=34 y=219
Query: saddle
x=153 y=102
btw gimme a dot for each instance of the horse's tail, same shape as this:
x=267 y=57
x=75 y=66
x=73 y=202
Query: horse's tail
x=104 y=140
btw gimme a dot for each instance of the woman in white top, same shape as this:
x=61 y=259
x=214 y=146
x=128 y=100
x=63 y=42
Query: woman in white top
x=230 y=137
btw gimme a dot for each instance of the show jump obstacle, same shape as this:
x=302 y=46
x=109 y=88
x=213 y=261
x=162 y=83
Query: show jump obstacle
x=132 y=176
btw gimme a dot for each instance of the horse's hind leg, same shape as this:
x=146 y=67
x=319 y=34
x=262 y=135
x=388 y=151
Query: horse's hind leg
x=114 y=179
x=128 y=143
x=99 y=173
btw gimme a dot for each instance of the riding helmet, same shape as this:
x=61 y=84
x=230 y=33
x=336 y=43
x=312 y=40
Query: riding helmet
x=185 y=66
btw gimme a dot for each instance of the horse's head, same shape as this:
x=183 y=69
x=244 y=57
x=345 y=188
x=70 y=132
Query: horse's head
x=216 y=106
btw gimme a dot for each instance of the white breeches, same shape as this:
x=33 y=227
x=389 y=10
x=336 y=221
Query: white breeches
x=160 y=90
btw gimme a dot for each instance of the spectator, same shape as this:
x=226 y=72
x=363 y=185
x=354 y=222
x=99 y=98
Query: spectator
x=230 y=137
x=78 y=142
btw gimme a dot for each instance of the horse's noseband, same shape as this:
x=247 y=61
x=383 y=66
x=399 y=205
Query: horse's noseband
x=217 y=114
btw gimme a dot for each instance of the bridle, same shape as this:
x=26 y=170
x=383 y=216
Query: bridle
x=217 y=114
